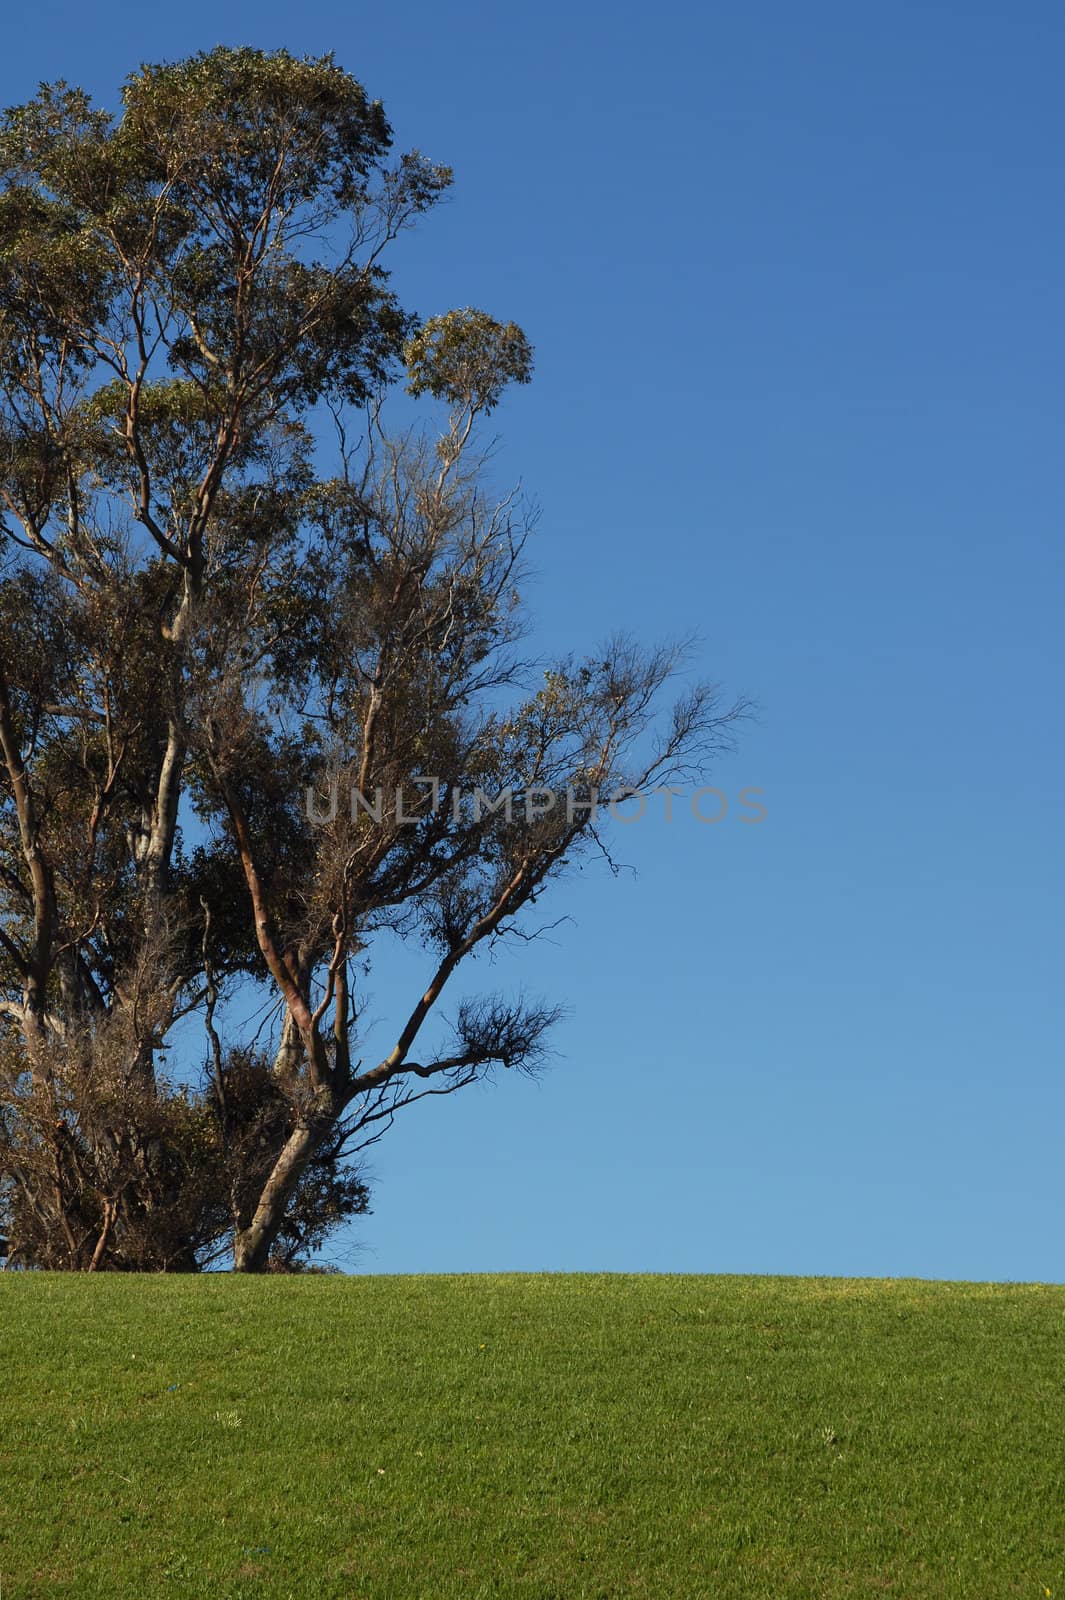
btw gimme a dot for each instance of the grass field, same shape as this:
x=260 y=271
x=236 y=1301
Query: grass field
x=541 y=1436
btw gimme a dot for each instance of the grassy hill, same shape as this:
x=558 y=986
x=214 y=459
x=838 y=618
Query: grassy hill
x=555 y=1437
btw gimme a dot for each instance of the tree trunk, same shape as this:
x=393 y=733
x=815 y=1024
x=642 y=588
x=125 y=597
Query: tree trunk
x=252 y=1245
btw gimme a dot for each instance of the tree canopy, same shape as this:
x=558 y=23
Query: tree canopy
x=262 y=694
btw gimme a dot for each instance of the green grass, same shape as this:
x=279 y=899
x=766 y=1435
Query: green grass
x=552 y=1437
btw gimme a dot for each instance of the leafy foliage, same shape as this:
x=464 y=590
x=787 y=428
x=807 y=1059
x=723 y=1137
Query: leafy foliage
x=201 y=626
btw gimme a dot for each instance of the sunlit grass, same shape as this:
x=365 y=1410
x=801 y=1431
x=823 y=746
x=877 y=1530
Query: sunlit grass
x=550 y=1437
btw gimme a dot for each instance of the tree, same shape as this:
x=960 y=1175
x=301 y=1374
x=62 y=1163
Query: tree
x=254 y=715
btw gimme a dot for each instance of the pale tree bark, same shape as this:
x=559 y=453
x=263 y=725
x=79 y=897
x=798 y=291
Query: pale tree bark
x=252 y=1245
x=35 y=970
x=163 y=823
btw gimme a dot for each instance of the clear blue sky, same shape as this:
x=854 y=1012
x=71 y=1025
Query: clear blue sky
x=794 y=275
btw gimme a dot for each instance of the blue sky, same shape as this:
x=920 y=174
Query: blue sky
x=793 y=274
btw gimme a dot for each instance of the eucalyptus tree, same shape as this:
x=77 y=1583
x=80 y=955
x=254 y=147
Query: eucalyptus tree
x=262 y=703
